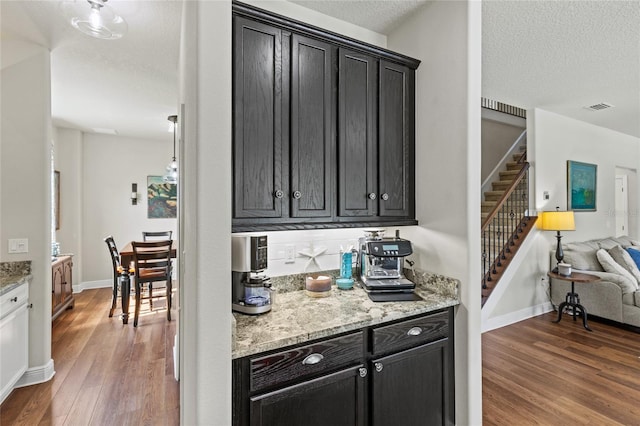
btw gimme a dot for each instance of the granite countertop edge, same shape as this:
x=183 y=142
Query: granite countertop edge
x=10 y=282
x=297 y=318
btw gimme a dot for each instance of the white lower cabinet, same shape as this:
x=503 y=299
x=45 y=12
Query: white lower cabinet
x=14 y=338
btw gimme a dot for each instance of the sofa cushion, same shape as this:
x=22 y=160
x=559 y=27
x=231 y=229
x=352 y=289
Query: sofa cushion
x=630 y=284
x=623 y=258
x=582 y=256
x=626 y=241
x=636 y=296
x=607 y=243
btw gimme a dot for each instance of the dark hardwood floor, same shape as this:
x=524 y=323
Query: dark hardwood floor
x=536 y=372
x=107 y=373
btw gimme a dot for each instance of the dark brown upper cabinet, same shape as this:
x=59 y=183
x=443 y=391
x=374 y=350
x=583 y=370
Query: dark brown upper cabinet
x=396 y=140
x=323 y=128
x=357 y=134
x=257 y=120
x=312 y=146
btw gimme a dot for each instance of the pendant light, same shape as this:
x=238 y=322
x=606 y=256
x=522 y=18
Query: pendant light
x=94 y=18
x=171 y=176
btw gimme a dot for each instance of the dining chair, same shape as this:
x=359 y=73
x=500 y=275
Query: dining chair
x=115 y=261
x=152 y=263
x=156 y=235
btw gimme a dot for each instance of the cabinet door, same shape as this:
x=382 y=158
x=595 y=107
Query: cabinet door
x=396 y=140
x=67 y=281
x=14 y=348
x=56 y=284
x=413 y=387
x=357 y=119
x=335 y=399
x=311 y=127
x=257 y=130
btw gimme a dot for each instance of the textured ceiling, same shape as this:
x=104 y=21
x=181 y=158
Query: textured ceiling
x=564 y=55
x=128 y=85
x=557 y=55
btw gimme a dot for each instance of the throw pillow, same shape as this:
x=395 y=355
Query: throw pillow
x=611 y=266
x=624 y=259
x=634 y=252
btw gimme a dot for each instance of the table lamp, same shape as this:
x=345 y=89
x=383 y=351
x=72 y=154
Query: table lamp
x=557 y=221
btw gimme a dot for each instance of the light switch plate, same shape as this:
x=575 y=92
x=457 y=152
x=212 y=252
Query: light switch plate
x=290 y=253
x=19 y=245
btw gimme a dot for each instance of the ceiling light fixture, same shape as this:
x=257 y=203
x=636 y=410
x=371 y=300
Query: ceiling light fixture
x=171 y=176
x=94 y=18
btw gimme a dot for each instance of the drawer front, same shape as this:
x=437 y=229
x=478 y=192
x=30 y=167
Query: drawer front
x=407 y=334
x=13 y=299
x=306 y=361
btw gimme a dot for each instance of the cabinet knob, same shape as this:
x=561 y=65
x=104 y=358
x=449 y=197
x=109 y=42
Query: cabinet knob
x=414 y=331
x=378 y=366
x=279 y=193
x=312 y=359
x=371 y=196
x=385 y=196
x=363 y=372
x=14 y=299
x=297 y=195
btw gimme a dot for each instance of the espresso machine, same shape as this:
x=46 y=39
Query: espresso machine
x=251 y=291
x=381 y=267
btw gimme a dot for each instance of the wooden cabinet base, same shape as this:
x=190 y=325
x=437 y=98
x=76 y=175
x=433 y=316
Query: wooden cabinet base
x=61 y=286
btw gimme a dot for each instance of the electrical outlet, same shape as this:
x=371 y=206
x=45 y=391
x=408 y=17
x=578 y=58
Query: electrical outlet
x=290 y=253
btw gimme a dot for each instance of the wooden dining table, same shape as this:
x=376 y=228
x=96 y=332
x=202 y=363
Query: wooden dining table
x=126 y=257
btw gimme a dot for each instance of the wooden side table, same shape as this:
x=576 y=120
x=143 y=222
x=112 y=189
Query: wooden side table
x=572 y=299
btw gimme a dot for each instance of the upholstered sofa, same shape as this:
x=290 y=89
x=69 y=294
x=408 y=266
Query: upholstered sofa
x=616 y=296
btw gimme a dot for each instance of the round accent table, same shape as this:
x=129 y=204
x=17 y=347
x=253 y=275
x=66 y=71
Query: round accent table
x=572 y=299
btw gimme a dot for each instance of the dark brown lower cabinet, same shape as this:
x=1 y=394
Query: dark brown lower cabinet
x=412 y=387
x=398 y=373
x=335 y=399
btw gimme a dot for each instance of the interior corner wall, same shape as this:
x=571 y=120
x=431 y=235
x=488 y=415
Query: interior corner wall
x=67 y=156
x=446 y=37
x=110 y=165
x=552 y=140
x=25 y=184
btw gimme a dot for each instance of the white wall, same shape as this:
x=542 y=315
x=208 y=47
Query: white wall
x=110 y=165
x=205 y=221
x=25 y=176
x=497 y=138
x=446 y=36
x=303 y=14
x=552 y=140
x=68 y=161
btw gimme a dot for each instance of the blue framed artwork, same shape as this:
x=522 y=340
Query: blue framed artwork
x=582 y=179
x=162 y=198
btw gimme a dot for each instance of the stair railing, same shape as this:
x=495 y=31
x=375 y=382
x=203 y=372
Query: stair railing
x=504 y=224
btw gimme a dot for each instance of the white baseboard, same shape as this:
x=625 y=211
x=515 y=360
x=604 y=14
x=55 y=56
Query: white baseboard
x=35 y=375
x=77 y=288
x=517 y=316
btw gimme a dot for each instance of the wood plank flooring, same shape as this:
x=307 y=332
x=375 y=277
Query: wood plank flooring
x=536 y=372
x=107 y=373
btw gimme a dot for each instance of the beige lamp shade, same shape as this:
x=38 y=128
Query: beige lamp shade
x=557 y=221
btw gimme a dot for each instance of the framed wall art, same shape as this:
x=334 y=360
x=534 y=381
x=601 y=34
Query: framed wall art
x=582 y=180
x=162 y=198
x=56 y=199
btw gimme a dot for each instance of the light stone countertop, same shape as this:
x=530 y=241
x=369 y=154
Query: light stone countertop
x=297 y=318
x=14 y=274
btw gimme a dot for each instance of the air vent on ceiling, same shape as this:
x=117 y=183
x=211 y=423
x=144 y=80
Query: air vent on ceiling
x=599 y=107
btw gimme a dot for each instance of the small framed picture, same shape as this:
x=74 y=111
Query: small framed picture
x=582 y=180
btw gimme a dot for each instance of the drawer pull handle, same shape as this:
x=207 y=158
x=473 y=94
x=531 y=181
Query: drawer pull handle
x=415 y=331
x=14 y=299
x=363 y=372
x=312 y=359
x=378 y=366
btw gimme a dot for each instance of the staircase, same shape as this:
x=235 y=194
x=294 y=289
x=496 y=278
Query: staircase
x=505 y=220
